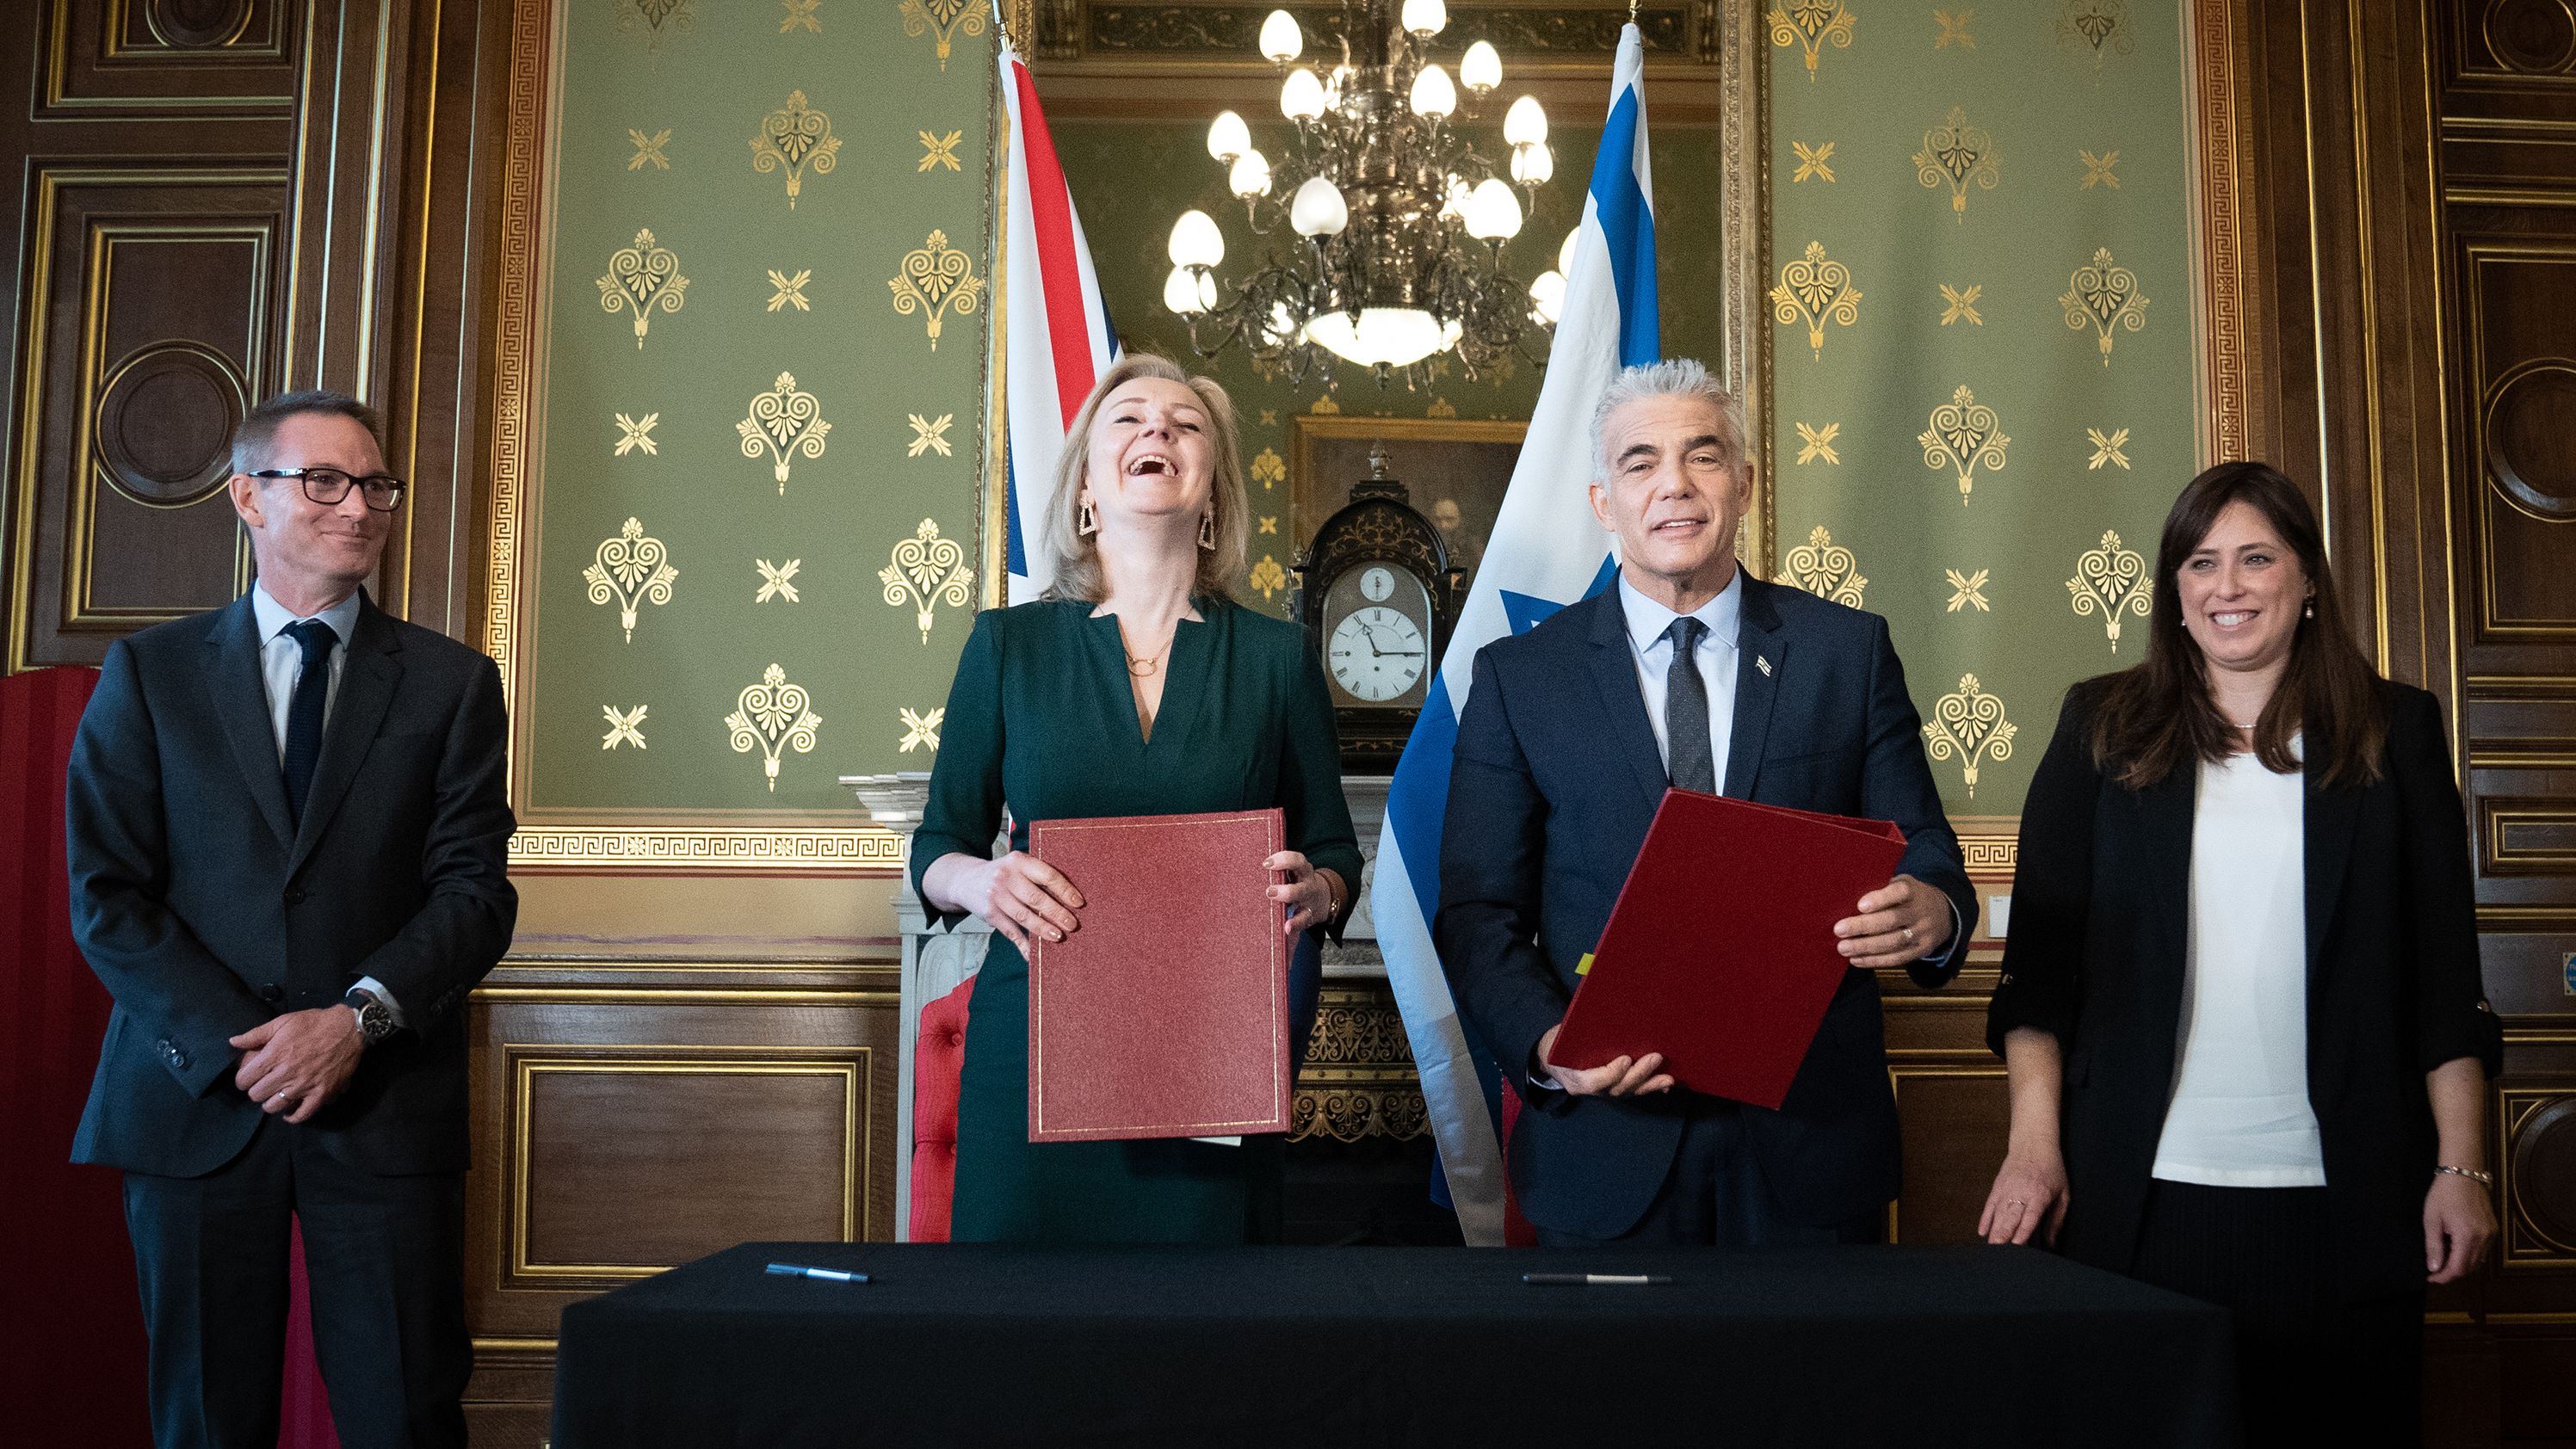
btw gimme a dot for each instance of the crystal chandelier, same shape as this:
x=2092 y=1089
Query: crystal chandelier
x=1400 y=224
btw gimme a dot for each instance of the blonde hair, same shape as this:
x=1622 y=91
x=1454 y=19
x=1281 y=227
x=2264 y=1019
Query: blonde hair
x=1077 y=555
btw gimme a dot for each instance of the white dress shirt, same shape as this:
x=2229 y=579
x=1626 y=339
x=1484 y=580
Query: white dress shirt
x=2240 y=1115
x=1715 y=654
x=281 y=667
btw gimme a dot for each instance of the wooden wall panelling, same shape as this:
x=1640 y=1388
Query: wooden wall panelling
x=629 y=1117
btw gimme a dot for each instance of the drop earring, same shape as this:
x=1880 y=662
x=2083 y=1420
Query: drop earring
x=1207 y=530
x=1086 y=525
x=2311 y=609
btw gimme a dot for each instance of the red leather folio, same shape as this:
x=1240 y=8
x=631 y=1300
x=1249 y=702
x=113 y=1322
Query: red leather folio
x=1720 y=951
x=1166 y=1014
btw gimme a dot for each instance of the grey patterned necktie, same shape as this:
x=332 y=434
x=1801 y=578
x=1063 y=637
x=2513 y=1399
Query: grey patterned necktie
x=1689 y=762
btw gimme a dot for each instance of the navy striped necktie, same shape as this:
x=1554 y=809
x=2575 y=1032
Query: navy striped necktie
x=304 y=711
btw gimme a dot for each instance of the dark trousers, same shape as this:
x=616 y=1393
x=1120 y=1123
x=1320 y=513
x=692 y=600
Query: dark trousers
x=1717 y=1196
x=385 y=1261
x=2311 y=1366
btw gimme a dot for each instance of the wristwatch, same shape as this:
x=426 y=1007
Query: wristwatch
x=375 y=1019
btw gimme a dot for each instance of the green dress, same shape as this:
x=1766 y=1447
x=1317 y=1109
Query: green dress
x=1042 y=718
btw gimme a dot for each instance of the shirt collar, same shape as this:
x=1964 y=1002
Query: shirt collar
x=272 y=615
x=1647 y=620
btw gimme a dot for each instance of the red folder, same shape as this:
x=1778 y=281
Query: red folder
x=1720 y=951
x=1166 y=1014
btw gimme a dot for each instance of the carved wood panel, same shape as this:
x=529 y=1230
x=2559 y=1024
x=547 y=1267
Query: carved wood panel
x=145 y=58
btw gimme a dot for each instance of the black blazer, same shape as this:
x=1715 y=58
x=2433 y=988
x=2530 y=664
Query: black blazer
x=2101 y=908
x=1556 y=777
x=206 y=913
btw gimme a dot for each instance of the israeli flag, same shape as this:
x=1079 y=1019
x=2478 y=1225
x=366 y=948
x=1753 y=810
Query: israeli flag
x=1547 y=551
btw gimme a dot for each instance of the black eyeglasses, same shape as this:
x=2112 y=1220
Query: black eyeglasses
x=328 y=486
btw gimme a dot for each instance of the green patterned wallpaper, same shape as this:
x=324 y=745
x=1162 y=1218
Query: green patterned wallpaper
x=1131 y=179
x=1983 y=344
x=762 y=387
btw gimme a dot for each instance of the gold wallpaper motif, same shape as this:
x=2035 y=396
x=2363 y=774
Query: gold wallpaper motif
x=642 y=278
x=1967 y=435
x=1958 y=306
x=2095 y=29
x=624 y=727
x=1269 y=469
x=1813 y=161
x=1815 y=289
x=1269 y=577
x=1814 y=443
x=939 y=150
x=648 y=149
x=1970 y=725
x=2105 y=294
x=658 y=19
x=777 y=581
x=800 y=15
x=929 y=435
x=1958 y=155
x=1811 y=24
x=637 y=436
x=1954 y=30
x=781 y=423
x=632 y=570
x=1827 y=569
x=920 y=729
x=2097 y=169
x=935 y=277
x=945 y=20
x=795 y=138
x=1966 y=589
x=770 y=716
x=787 y=291
x=2111 y=580
x=2108 y=449
x=927 y=571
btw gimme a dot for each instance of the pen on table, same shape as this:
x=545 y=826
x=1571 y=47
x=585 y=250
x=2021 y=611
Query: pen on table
x=1595 y=1280
x=798 y=1270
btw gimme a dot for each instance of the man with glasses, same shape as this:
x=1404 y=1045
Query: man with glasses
x=288 y=839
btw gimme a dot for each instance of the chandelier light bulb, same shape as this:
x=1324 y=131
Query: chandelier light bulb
x=1565 y=251
x=1281 y=40
x=1195 y=240
x=1532 y=164
x=1525 y=124
x=1301 y=98
x=1481 y=69
x=1493 y=212
x=1318 y=208
x=1228 y=137
x=1181 y=292
x=1425 y=18
x=1250 y=177
x=1547 y=297
x=1433 y=94
x=1454 y=200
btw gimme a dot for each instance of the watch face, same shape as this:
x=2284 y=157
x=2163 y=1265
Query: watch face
x=1376 y=653
x=1376 y=582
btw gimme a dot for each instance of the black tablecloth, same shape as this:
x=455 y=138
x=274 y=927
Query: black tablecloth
x=1419 y=1346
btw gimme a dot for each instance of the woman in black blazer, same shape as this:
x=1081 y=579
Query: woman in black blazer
x=2240 y=1004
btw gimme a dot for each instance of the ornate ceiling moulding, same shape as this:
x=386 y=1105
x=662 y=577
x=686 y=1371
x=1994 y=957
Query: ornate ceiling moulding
x=1201 y=56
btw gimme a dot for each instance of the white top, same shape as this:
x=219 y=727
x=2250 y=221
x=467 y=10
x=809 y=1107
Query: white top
x=1652 y=653
x=2240 y=1115
x=281 y=664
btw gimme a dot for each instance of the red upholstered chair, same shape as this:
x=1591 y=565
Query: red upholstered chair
x=1517 y=1232
x=939 y=1056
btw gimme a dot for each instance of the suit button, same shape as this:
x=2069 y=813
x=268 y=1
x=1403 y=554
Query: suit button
x=272 y=994
x=295 y=897
x=2006 y=981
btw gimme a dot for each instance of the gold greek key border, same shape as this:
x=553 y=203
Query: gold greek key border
x=542 y=848
x=2214 y=34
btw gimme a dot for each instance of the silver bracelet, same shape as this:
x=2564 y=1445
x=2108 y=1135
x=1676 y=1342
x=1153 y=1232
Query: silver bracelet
x=2478 y=1175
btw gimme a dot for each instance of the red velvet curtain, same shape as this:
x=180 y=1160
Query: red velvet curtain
x=71 y=1335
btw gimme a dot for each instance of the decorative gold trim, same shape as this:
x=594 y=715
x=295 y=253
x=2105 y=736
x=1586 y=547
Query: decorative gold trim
x=538 y=847
x=58 y=94
x=693 y=995
x=2223 y=284
x=852 y=1064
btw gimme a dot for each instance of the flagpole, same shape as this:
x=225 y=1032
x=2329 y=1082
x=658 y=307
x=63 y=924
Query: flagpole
x=996 y=549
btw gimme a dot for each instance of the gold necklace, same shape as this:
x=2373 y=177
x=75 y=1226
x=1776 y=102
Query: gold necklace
x=1143 y=668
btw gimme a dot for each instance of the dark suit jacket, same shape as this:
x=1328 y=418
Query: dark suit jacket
x=1556 y=778
x=2101 y=912
x=205 y=912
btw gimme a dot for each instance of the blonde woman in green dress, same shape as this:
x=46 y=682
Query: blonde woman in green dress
x=1137 y=686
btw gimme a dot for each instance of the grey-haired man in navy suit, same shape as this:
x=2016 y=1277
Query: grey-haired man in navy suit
x=288 y=836
x=1688 y=673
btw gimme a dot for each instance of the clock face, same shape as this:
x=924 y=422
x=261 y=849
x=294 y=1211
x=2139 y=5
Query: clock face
x=1376 y=582
x=1377 y=653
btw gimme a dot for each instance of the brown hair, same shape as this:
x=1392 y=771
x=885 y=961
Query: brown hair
x=256 y=433
x=1077 y=554
x=2158 y=713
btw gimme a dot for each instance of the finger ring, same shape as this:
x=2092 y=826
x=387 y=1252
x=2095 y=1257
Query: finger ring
x=1909 y=935
x=2015 y=1202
